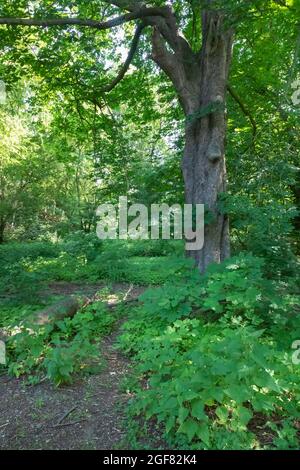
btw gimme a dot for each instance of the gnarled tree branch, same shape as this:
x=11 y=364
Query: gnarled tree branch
x=176 y=66
x=166 y=32
x=130 y=5
x=161 y=55
x=100 y=25
x=125 y=67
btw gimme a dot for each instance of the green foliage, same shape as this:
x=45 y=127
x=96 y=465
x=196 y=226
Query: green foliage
x=146 y=248
x=202 y=378
x=213 y=351
x=14 y=252
x=82 y=244
x=287 y=436
x=16 y=278
x=26 y=267
x=65 y=267
x=139 y=270
x=210 y=359
x=237 y=291
x=60 y=350
x=12 y=314
x=263 y=228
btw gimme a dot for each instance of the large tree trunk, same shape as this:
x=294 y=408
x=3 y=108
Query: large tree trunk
x=200 y=81
x=204 y=181
x=204 y=167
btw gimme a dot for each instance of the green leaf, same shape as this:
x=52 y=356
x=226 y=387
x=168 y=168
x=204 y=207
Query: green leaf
x=183 y=414
x=190 y=428
x=170 y=424
x=244 y=415
x=222 y=413
x=198 y=409
x=203 y=433
x=237 y=393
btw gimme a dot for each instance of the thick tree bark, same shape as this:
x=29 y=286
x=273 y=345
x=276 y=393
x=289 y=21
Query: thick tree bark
x=204 y=167
x=200 y=81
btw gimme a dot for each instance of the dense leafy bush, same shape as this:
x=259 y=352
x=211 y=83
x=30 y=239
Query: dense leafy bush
x=82 y=244
x=13 y=252
x=152 y=248
x=12 y=314
x=64 y=267
x=238 y=291
x=15 y=278
x=264 y=228
x=204 y=378
x=210 y=359
x=234 y=292
x=116 y=266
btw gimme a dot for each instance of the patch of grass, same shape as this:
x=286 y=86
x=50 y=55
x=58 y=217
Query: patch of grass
x=26 y=267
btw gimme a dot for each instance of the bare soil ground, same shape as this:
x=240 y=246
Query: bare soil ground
x=84 y=415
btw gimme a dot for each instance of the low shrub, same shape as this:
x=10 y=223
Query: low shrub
x=209 y=361
x=202 y=379
x=59 y=350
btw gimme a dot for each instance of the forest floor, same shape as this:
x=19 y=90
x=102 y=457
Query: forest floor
x=84 y=415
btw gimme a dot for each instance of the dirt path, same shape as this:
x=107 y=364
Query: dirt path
x=36 y=417
x=30 y=416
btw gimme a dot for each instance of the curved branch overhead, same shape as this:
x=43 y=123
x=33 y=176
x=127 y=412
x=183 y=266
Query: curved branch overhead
x=100 y=25
x=162 y=19
x=140 y=13
x=126 y=65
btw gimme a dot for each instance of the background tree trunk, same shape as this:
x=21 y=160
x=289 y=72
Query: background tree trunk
x=2 y=229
